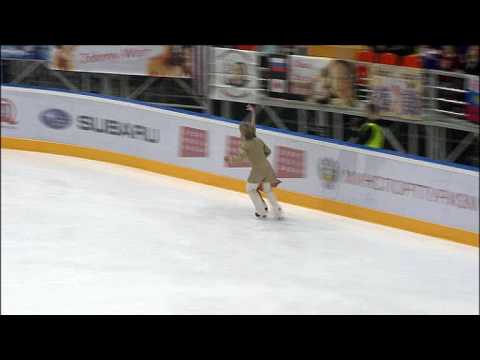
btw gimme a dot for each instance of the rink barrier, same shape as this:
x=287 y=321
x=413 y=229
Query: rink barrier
x=291 y=197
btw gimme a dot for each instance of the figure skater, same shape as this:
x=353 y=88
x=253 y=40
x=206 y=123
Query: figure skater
x=262 y=176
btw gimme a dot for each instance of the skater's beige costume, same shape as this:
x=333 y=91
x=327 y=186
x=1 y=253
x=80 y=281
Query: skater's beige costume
x=257 y=152
x=262 y=173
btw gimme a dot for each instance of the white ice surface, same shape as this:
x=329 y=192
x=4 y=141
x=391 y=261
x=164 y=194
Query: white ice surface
x=86 y=237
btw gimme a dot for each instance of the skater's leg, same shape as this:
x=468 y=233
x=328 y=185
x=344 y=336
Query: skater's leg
x=259 y=189
x=272 y=199
x=263 y=200
x=257 y=201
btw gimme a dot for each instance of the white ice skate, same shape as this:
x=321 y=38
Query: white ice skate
x=260 y=216
x=263 y=201
x=278 y=215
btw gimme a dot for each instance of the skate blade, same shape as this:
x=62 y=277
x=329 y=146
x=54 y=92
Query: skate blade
x=260 y=217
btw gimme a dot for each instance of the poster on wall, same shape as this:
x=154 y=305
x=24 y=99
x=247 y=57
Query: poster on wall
x=397 y=90
x=472 y=99
x=323 y=81
x=148 y=60
x=235 y=75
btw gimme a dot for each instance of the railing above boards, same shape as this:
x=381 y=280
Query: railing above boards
x=447 y=93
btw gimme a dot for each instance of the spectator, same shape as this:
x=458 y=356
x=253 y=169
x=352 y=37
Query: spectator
x=471 y=60
x=449 y=60
x=430 y=56
x=399 y=50
x=402 y=50
x=378 y=48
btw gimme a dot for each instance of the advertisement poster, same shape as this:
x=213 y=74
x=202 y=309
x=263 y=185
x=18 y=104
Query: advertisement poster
x=323 y=80
x=148 y=60
x=397 y=91
x=235 y=75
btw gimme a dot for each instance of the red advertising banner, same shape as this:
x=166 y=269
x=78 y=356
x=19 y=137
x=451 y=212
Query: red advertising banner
x=9 y=112
x=290 y=163
x=233 y=149
x=193 y=142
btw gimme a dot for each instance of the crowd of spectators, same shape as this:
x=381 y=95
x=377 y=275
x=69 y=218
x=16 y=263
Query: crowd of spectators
x=462 y=59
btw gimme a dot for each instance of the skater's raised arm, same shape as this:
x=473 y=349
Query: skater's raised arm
x=252 y=120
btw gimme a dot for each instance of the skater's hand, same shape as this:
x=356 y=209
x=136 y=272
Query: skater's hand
x=250 y=108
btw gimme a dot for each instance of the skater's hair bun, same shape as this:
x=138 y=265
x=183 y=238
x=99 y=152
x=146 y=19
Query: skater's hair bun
x=247 y=131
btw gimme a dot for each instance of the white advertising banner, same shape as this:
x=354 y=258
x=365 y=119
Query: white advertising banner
x=413 y=188
x=235 y=75
x=397 y=90
x=149 y=60
x=302 y=72
x=323 y=80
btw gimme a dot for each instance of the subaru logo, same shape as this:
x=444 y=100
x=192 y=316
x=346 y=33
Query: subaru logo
x=56 y=119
